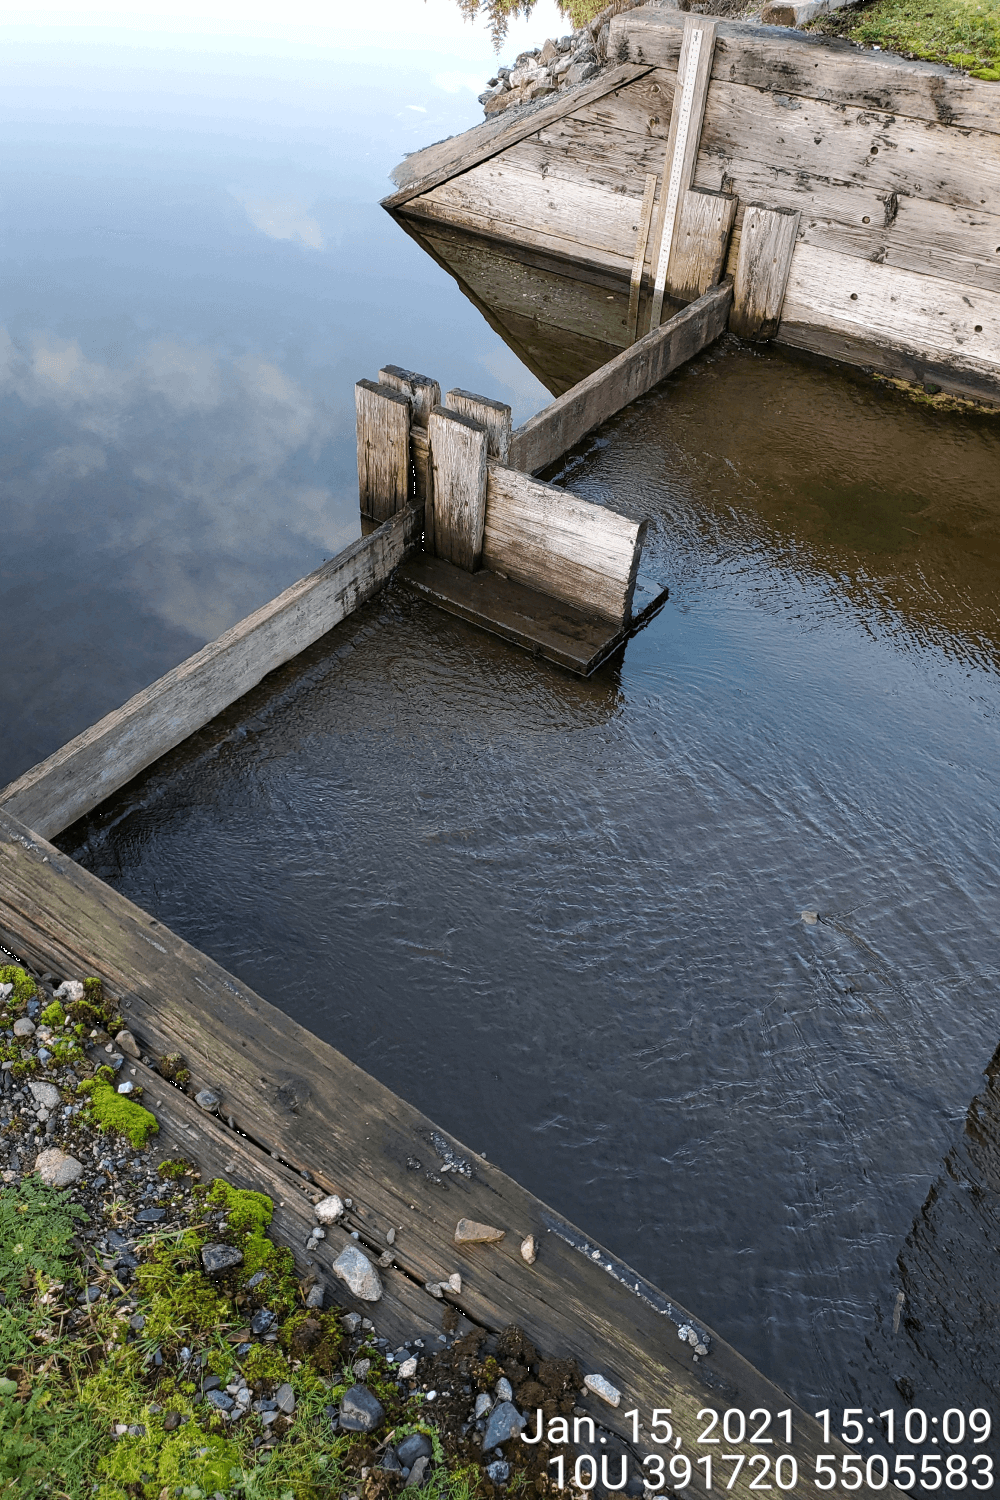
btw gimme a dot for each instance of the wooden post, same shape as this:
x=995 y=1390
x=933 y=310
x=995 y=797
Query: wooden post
x=694 y=70
x=639 y=261
x=458 y=462
x=424 y=392
x=383 y=450
x=493 y=415
x=767 y=241
x=701 y=242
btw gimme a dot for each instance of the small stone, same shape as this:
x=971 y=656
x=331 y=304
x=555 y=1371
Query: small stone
x=390 y=1462
x=126 y=1087
x=262 y=1320
x=220 y=1257
x=468 y=1232
x=360 y=1411
x=219 y=1400
x=171 y=1421
x=548 y=52
x=390 y=1236
x=351 y=1321
x=498 y=1471
x=505 y=1421
x=504 y=1390
x=810 y=918
x=417 y=1445
x=71 y=990
x=483 y=1403
x=255 y=1280
x=318 y=1234
x=285 y=1398
x=207 y=1100
x=315 y=1295
x=150 y=1215
x=418 y=1473
x=683 y=1333
x=529 y=1250
x=24 y=1027
x=434 y=1287
x=354 y=1268
x=408 y=1368
x=701 y=1349
x=137 y=1322
x=127 y=1042
x=361 y=1368
x=46 y=1095
x=603 y=1388
x=56 y=1169
x=328 y=1210
x=454 y=1282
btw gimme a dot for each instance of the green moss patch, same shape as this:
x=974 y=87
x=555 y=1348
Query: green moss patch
x=113 y=1111
x=964 y=33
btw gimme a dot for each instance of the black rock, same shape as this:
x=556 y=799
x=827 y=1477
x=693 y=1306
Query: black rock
x=417 y=1445
x=100 y=1182
x=171 y=1421
x=117 y=1241
x=390 y=1461
x=220 y=1400
x=262 y=1320
x=360 y=1411
x=152 y=1216
x=220 y=1257
x=505 y=1420
x=265 y=1405
x=210 y=1383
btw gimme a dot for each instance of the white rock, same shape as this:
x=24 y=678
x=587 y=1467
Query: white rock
x=504 y=1390
x=529 y=1249
x=361 y=1277
x=45 y=1094
x=603 y=1388
x=126 y=1088
x=56 y=1169
x=24 y=1027
x=70 y=990
x=810 y=918
x=328 y=1210
x=409 y=1367
x=483 y=1404
x=455 y=1281
x=6 y=990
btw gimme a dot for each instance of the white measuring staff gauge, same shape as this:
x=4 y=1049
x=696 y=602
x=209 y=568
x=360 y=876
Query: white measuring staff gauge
x=676 y=168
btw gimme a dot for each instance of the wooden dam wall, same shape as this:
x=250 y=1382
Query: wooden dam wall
x=892 y=167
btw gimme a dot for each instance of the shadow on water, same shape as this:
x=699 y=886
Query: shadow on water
x=564 y=918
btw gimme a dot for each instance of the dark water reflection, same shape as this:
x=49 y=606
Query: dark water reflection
x=564 y=918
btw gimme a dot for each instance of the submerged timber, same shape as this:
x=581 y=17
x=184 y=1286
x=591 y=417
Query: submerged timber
x=869 y=184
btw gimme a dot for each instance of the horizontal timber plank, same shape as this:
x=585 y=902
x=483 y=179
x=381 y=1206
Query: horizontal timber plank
x=814 y=67
x=105 y=757
x=435 y=164
x=553 y=431
x=315 y=1109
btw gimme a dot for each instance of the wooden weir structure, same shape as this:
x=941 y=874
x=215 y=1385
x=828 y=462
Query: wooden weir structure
x=452 y=506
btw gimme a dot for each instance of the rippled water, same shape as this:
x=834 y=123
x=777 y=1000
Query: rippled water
x=564 y=918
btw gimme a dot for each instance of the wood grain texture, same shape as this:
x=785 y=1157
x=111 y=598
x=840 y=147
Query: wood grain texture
x=701 y=243
x=424 y=392
x=101 y=760
x=814 y=67
x=694 y=71
x=766 y=244
x=426 y=169
x=458 y=449
x=383 y=421
x=296 y=1096
x=553 y=431
x=493 y=415
x=423 y=473
x=641 y=244
x=568 y=548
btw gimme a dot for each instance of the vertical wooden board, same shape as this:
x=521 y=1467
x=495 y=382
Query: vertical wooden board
x=458 y=462
x=423 y=391
x=767 y=240
x=423 y=475
x=561 y=545
x=641 y=243
x=493 y=415
x=383 y=417
x=694 y=73
x=701 y=242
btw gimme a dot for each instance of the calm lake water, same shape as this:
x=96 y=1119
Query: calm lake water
x=562 y=918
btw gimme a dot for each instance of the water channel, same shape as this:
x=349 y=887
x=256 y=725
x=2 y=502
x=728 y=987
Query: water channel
x=564 y=918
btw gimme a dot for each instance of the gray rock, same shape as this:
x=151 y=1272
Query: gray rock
x=56 y=1169
x=361 y=1368
x=70 y=991
x=6 y=990
x=351 y=1321
x=360 y=1411
x=137 y=1322
x=255 y=1280
x=220 y=1257
x=390 y=1236
x=24 y=1027
x=315 y=1295
x=602 y=1387
x=354 y=1268
x=390 y=1462
x=264 y=1405
x=150 y=1215
x=498 y=1471
x=262 y=1320
x=483 y=1403
x=504 y=1389
x=284 y=1398
x=207 y=1100
x=417 y=1474
x=219 y=1400
x=328 y=1210
x=46 y=1095
x=505 y=1421
x=127 y=1042
x=417 y=1445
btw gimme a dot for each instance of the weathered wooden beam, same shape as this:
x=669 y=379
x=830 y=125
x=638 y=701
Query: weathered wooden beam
x=298 y=1098
x=694 y=72
x=767 y=241
x=458 y=448
x=568 y=548
x=383 y=420
x=424 y=392
x=701 y=242
x=638 y=264
x=101 y=760
x=493 y=415
x=549 y=434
